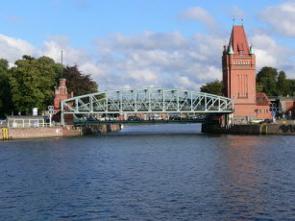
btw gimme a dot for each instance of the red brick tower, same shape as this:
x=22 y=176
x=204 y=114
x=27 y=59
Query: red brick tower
x=239 y=74
x=61 y=93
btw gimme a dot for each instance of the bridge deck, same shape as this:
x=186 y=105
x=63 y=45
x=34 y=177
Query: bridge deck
x=98 y=122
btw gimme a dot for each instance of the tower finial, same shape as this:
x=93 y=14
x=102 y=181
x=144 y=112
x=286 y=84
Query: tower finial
x=242 y=21
x=252 y=50
x=234 y=20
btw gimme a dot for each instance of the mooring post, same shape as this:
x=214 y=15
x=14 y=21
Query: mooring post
x=62 y=117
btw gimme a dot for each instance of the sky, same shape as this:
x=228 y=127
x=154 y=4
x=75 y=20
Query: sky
x=141 y=43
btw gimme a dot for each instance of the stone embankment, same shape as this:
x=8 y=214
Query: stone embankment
x=251 y=129
x=46 y=132
x=100 y=129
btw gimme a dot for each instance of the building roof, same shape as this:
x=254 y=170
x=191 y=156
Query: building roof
x=262 y=99
x=238 y=40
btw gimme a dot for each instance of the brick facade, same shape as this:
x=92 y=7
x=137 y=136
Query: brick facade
x=239 y=76
x=61 y=93
x=263 y=106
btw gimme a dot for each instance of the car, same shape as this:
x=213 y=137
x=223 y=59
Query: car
x=133 y=118
x=175 y=117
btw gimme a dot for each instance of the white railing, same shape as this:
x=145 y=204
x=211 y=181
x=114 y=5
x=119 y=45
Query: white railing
x=27 y=123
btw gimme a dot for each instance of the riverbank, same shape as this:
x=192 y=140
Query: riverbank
x=251 y=129
x=47 y=132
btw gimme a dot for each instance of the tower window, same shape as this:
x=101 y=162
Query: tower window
x=242 y=85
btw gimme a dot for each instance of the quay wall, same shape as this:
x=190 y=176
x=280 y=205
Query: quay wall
x=100 y=129
x=42 y=132
x=257 y=129
x=68 y=131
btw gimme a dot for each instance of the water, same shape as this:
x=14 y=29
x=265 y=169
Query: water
x=160 y=172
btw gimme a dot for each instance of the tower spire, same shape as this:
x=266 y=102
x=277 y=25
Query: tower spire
x=238 y=40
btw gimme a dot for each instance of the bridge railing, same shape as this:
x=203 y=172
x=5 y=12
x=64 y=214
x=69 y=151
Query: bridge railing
x=150 y=100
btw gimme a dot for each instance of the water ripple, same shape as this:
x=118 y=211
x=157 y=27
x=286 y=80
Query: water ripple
x=160 y=172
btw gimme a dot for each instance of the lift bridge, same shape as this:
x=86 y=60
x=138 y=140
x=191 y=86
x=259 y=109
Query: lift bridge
x=116 y=105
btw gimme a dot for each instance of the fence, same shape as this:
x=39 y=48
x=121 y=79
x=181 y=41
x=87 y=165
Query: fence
x=26 y=123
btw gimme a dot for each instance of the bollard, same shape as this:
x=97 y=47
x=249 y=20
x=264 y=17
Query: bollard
x=5 y=134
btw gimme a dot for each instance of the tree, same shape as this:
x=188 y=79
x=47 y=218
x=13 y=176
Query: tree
x=5 y=94
x=215 y=87
x=32 y=83
x=283 y=84
x=77 y=82
x=291 y=83
x=267 y=80
x=259 y=87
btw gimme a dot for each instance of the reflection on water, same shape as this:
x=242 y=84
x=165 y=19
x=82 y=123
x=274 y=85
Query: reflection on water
x=157 y=172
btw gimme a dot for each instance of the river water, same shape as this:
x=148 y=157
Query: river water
x=158 y=172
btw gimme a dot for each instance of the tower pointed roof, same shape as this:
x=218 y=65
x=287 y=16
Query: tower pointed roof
x=238 y=40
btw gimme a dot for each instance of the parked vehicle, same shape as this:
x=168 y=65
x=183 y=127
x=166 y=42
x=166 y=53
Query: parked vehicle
x=134 y=118
x=175 y=117
x=155 y=117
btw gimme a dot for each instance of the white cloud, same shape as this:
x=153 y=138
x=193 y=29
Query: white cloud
x=160 y=59
x=199 y=14
x=53 y=47
x=91 y=68
x=265 y=50
x=143 y=75
x=13 y=48
x=281 y=17
x=269 y=52
x=168 y=60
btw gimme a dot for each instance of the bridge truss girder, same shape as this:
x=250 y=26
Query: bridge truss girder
x=146 y=101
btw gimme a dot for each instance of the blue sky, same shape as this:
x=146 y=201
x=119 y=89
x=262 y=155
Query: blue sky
x=149 y=42
x=84 y=20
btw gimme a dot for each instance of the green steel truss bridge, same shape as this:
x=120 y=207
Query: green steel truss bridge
x=149 y=101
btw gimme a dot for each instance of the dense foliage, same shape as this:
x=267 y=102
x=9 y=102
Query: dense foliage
x=31 y=81
x=78 y=83
x=215 y=87
x=5 y=95
x=274 y=83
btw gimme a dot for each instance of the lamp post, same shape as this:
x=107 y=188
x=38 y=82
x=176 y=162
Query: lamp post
x=51 y=112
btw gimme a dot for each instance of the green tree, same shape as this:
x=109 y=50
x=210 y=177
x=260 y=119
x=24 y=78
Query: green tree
x=77 y=82
x=215 y=87
x=259 y=87
x=283 y=84
x=291 y=83
x=5 y=94
x=267 y=80
x=32 y=83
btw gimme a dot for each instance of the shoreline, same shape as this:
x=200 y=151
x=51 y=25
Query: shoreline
x=71 y=131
